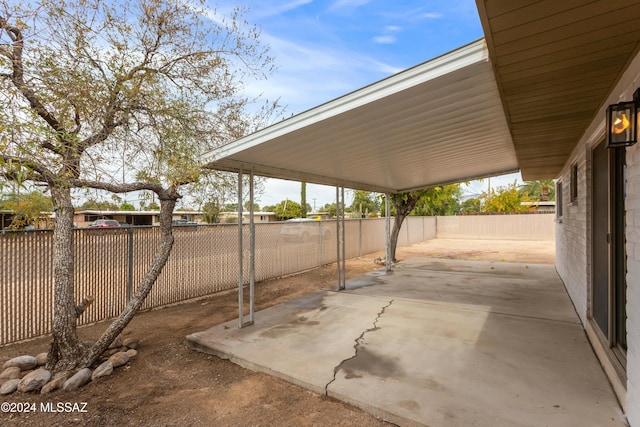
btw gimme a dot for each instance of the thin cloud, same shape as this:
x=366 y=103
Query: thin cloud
x=384 y=39
x=272 y=8
x=431 y=15
x=348 y=4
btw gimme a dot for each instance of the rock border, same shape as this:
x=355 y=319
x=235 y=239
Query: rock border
x=26 y=373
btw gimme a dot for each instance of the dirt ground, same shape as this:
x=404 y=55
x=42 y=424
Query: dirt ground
x=168 y=384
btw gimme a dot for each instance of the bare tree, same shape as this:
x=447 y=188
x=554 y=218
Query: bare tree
x=86 y=85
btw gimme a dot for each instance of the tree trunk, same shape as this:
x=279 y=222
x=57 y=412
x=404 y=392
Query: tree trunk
x=395 y=232
x=404 y=204
x=145 y=286
x=65 y=350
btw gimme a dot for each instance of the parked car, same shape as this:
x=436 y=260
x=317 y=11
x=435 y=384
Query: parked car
x=23 y=228
x=104 y=223
x=303 y=230
x=183 y=222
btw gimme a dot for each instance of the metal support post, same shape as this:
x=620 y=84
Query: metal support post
x=252 y=259
x=240 y=255
x=341 y=260
x=344 y=252
x=387 y=208
x=338 y=237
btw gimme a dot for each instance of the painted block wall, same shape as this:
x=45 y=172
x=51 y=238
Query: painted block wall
x=571 y=233
x=633 y=284
x=497 y=227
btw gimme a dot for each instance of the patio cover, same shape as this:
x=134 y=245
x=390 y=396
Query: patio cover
x=519 y=99
x=436 y=123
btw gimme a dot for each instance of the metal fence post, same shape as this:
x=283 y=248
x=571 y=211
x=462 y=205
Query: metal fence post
x=321 y=239
x=130 y=265
x=360 y=248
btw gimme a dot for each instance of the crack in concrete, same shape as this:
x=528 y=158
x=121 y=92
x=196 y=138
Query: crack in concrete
x=356 y=346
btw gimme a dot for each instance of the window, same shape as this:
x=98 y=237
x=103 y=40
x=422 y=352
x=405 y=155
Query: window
x=559 y=200
x=574 y=183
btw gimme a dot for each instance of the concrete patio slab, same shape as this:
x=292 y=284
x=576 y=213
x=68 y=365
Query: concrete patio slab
x=435 y=342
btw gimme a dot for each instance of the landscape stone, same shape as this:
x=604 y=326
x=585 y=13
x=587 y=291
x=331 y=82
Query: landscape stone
x=111 y=351
x=62 y=374
x=22 y=362
x=78 y=380
x=56 y=383
x=10 y=373
x=103 y=370
x=119 y=359
x=10 y=386
x=34 y=380
x=132 y=352
x=41 y=358
x=116 y=343
x=130 y=343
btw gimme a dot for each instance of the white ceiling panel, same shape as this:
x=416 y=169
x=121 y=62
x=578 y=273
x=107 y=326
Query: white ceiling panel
x=439 y=122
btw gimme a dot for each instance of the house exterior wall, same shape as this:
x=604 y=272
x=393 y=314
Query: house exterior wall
x=633 y=284
x=573 y=240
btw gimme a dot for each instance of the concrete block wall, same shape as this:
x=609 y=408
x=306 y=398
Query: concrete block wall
x=497 y=227
x=632 y=202
x=572 y=237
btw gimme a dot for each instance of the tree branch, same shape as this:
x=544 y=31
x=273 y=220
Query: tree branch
x=86 y=302
x=44 y=173
x=17 y=76
x=163 y=193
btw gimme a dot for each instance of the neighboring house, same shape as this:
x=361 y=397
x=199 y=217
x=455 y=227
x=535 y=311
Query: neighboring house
x=45 y=221
x=83 y=218
x=232 y=217
x=532 y=96
x=541 y=207
x=6 y=216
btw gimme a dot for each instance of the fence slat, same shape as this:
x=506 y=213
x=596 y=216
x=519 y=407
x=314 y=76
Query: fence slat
x=203 y=261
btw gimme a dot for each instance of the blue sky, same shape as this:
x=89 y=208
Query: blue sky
x=325 y=49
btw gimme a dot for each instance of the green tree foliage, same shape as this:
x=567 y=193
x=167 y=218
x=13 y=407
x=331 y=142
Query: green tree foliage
x=541 y=191
x=329 y=208
x=473 y=204
x=126 y=206
x=151 y=82
x=504 y=200
x=247 y=205
x=287 y=209
x=100 y=205
x=211 y=211
x=364 y=203
x=441 y=200
x=27 y=208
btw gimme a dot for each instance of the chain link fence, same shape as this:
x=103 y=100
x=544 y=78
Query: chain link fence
x=204 y=260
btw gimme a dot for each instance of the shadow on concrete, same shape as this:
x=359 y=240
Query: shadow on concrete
x=434 y=342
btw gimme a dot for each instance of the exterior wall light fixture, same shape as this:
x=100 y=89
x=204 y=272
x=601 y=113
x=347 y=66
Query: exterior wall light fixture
x=622 y=122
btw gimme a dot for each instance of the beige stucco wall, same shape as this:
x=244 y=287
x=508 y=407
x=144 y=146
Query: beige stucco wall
x=497 y=227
